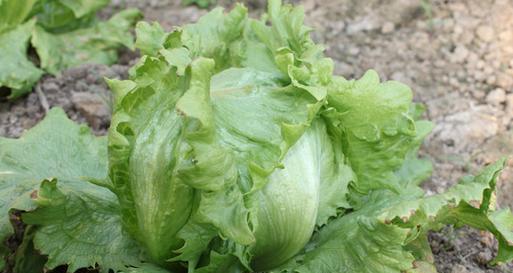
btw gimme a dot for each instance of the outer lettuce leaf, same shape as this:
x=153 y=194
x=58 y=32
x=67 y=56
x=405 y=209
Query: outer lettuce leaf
x=77 y=223
x=16 y=71
x=386 y=234
x=59 y=16
x=64 y=33
x=56 y=147
x=97 y=44
x=26 y=258
x=80 y=225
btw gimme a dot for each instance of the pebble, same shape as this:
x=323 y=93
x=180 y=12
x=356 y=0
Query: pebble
x=491 y=80
x=496 y=96
x=488 y=70
x=485 y=33
x=387 y=27
x=459 y=269
x=484 y=257
x=466 y=37
x=459 y=55
x=480 y=64
x=478 y=94
x=92 y=107
x=504 y=81
x=479 y=75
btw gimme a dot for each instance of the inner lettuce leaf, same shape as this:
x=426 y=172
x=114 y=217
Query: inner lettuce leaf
x=233 y=148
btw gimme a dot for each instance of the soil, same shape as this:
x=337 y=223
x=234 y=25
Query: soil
x=457 y=56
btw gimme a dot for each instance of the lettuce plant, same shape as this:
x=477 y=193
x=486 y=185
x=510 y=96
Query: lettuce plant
x=64 y=34
x=233 y=148
x=199 y=3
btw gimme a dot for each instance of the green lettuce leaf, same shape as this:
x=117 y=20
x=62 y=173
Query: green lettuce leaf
x=83 y=7
x=64 y=33
x=26 y=259
x=14 y=13
x=200 y=3
x=96 y=44
x=79 y=224
x=59 y=16
x=386 y=234
x=57 y=148
x=17 y=72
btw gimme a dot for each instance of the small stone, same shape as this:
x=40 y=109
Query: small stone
x=459 y=269
x=454 y=82
x=466 y=37
x=504 y=81
x=506 y=36
x=488 y=70
x=353 y=51
x=459 y=54
x=362 y=24
x=440 y=63
x=387 y=27
x=485 y=33
x=486 y=239
x=478 y=94
x=496 y=96
x=92 y=107
x=480 y=64
x=484 y=257
x=491 y=80
x=479 y=75
x=49 y=86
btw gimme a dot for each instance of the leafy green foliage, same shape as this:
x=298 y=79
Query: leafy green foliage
x=233 y=148
x=17 y=71
x=64 y=33
x=199 y=3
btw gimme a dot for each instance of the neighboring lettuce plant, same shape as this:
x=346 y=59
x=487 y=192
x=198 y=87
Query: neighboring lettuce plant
x=64 y=33
x=233 y=148
x=200 y=3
